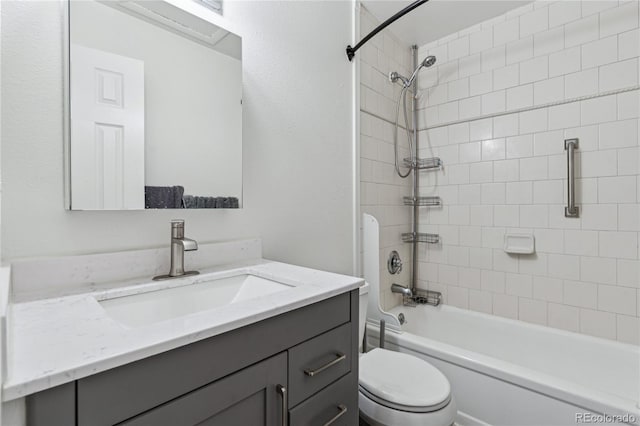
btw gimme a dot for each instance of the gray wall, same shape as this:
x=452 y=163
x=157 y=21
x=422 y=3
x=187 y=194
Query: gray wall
x=298 y=165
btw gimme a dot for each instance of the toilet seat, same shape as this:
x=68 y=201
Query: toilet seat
x=375 y=414
x=401 y=407
x=403 y=382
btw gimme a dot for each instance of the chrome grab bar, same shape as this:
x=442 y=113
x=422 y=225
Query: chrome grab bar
x=311 y=373
x=285 y=415
x=343 y=409
x=570 y=145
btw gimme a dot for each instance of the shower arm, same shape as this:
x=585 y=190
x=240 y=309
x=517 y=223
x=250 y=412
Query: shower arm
x=351 y=51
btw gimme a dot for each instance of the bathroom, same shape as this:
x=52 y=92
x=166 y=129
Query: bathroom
x=551 y=332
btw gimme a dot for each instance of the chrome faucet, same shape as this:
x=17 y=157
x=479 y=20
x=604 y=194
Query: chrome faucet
x=179 y=244
x=405 y=291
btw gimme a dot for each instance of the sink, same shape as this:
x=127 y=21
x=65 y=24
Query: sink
x=160 y=305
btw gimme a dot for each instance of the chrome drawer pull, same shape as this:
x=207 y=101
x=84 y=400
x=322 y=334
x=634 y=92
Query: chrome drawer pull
x=285 y=415
x=311 y=373
x=343 y=409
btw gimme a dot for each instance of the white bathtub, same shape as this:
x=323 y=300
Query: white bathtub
x=506 y=372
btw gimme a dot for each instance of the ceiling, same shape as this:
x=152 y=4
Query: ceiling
x=438 y=18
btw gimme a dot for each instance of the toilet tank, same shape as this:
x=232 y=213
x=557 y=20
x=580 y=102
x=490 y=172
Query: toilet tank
x=362 y=320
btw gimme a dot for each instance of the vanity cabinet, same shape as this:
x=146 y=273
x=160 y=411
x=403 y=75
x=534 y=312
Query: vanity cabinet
x=299 y=367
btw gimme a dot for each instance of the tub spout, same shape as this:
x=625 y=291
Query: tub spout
x=405 y=291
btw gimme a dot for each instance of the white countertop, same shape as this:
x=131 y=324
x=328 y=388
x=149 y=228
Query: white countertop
x=57 y=340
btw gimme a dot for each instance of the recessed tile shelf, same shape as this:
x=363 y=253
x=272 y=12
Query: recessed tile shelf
x=519 y=243
x=420 y=237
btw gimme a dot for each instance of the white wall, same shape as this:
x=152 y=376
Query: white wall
x=381 y=189
x=2 y=337
x=297 y=144
x=508 y=173
x=193 y=115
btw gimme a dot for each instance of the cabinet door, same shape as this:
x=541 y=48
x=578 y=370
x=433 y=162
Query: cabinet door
x=246 y=398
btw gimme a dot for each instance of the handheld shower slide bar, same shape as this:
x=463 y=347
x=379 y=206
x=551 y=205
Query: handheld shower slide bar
x=408 y=85
x=351 y=51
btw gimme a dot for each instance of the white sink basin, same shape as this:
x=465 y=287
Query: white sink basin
x=155 y=306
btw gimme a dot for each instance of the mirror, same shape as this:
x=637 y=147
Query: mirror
x=154 y=107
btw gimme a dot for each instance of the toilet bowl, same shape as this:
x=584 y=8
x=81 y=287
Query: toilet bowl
x=397 y=389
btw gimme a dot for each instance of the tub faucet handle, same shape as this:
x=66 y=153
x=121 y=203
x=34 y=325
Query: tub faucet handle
x=394 y=263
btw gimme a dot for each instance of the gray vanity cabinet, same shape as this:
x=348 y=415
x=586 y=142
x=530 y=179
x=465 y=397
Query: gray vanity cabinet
x=302 y=364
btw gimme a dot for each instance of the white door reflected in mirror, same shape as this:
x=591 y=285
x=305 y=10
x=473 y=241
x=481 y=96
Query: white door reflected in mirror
x=108 y=127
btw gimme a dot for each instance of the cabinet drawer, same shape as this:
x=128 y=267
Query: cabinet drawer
x=337 y=402
x=318 y=362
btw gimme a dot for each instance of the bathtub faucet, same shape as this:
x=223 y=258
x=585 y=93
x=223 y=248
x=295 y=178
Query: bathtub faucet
x=405 y=291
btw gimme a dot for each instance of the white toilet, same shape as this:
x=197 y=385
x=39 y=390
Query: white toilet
x=398 y=389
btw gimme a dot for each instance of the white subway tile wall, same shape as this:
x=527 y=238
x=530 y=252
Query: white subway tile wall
x=381 y=190
x=508 y=173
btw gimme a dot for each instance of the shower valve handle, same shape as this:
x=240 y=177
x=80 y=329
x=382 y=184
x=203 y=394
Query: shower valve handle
x=394 y=263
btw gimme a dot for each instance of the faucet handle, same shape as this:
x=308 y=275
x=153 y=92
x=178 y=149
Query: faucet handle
x=394 y=263
x=177 y=228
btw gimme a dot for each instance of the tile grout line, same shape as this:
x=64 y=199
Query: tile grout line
x=374 y=115
x=527 y=109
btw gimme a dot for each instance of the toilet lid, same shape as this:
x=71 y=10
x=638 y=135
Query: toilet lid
x=403 y=380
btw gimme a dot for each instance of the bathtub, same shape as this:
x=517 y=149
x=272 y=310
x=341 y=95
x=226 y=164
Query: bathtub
x=506 y=372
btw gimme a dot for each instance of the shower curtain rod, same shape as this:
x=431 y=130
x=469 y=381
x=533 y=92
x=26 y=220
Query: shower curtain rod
x=351 y=51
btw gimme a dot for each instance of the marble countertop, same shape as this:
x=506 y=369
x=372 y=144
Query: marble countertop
x=57 y=340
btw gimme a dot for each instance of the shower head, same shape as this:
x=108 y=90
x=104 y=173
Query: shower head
x=426 y=62
x=406 y=82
